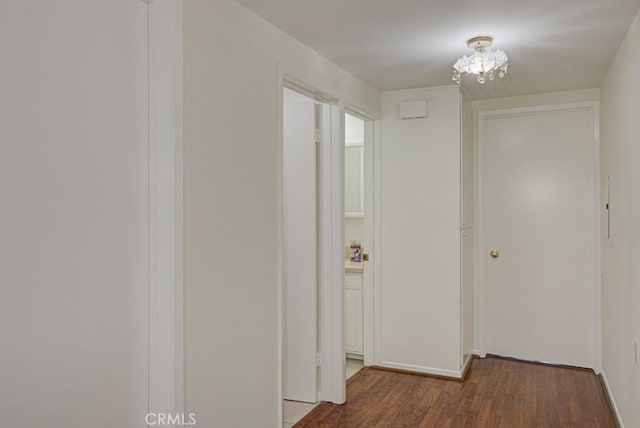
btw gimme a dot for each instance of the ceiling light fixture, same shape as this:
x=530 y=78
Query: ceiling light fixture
x=484 y=62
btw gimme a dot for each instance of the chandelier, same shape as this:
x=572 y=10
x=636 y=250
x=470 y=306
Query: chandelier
x=484 y=62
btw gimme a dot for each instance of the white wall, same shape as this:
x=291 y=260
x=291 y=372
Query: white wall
x=420 y=234
x=231 y=167
x=73 y=222
x=620 y=158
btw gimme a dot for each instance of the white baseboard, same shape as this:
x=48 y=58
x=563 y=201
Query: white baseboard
x=466 y=365
x=457 y=374
x=475 y=352
x=612 y=402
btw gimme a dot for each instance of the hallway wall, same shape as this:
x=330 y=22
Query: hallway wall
x=231 y=165
x=620 y=151
x=419 y=297
x=73 y=214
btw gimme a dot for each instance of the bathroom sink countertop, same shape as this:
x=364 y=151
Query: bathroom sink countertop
x=352 y=267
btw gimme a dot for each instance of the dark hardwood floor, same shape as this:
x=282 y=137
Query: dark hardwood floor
x=497 y=392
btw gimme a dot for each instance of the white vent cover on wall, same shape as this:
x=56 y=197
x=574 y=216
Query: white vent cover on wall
x=412 y=109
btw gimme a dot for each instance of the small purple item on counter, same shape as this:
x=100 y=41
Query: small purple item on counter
x=357 y=254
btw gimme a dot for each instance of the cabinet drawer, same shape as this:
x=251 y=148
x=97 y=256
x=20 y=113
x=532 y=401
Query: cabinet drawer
x=353 y=281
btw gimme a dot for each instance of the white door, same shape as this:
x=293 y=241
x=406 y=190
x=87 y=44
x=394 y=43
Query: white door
x=300 y=247
x=539 y=216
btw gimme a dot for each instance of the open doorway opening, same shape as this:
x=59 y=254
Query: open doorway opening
x=311 y=247
x=306 y=130
x=358 y=234
x=354 y=244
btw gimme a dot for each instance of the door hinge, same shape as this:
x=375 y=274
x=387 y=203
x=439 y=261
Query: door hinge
x=318 y=360
x=317 y=135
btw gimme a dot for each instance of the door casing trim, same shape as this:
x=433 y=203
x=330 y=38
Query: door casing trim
x=166 y=248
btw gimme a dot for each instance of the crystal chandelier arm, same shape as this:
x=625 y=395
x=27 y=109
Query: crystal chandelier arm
x=483 y=62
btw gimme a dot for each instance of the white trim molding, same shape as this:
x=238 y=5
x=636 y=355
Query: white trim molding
x=466 y=365
x=377 y=243
x=280 y=259
x=597 y=254
x=332 y=327
x=612 y=401
x=166 y=346
x=370 y=237
x=481 y=249
x=454 y=374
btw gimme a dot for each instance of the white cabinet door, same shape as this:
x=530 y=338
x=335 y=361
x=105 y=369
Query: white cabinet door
x=353 y=321
x=353 y=324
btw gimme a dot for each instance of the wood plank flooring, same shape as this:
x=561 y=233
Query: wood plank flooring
x=496 y=393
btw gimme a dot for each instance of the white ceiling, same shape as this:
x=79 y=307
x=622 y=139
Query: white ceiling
x=400 y=44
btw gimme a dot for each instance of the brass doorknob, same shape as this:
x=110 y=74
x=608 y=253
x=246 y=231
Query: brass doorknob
x=495 y=254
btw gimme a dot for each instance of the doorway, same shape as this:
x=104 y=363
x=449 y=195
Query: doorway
x=310 y=248
x=358 y=234
x=354 y=243
x=327 y=314
x=539 y=233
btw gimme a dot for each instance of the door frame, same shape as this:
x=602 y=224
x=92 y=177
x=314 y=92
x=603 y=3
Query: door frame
x=330 y=241
x=166 y=207
x=481 y=318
